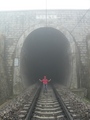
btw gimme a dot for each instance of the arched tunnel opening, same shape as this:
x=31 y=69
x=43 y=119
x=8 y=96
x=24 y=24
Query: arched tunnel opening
x=45 y=52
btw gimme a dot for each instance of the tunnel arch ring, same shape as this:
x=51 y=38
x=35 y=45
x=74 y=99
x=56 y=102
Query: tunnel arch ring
x=17 y=78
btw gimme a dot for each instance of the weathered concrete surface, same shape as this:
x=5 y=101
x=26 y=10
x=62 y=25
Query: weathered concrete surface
x=88 y=63
x=80 y=92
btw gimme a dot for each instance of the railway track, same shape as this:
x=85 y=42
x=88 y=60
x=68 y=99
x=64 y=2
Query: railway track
x=51 y=105
x=48 y=106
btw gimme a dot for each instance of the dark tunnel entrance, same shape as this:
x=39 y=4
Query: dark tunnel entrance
x=46 y=51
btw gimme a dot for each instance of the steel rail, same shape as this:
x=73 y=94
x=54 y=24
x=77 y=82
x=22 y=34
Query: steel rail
x=67 y=113
x=34 y=102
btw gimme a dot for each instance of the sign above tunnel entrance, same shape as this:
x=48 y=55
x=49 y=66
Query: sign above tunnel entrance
x=46 y=16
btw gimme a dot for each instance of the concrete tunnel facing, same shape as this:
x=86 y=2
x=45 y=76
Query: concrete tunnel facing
x=46 y=51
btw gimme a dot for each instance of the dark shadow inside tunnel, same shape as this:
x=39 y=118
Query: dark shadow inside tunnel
x=46 y=51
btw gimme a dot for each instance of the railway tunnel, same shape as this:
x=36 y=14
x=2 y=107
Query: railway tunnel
x=46 y=51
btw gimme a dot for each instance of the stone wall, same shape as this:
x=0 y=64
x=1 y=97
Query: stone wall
x=14 y=24
x=4 y=84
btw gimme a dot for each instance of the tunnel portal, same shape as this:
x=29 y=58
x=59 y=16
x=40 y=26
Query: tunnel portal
x=45 y=52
